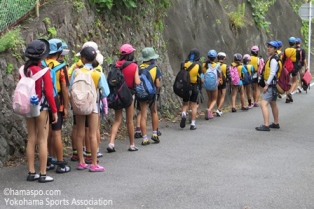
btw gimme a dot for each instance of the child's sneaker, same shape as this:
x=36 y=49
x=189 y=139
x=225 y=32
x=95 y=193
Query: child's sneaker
x=63 y=169
x=158 y=133
x=50 y=166
x=155 y=138
x=210 y=115
x=32 y=177
x=99 y=154
x=88 y=160
x=138 y=135
x=251 y=106
x=82 y=166
x=256 y=104
x=145 y=142
x=244 y=108
x=96 y=168
x=111 y=148
x=133 y=148
x=74 y=157
x=218 y=113
x=44 y=179
x=233 y=110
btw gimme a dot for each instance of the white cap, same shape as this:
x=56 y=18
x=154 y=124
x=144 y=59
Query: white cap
x=65 y=52
x=100 y=58
x=222 y=54
x=89 y=44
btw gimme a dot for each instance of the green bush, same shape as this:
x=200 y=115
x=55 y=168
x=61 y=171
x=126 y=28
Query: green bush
x=237 y=19
x=11 y=40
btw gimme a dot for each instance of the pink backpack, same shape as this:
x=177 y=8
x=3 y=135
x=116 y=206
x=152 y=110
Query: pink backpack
x=24 y=90
x=83 y=93
x=234 y=74
x=261 y=64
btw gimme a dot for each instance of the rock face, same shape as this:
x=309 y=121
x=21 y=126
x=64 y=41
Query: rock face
x=202 y=24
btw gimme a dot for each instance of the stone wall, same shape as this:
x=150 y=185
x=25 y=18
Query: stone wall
x=194 y=23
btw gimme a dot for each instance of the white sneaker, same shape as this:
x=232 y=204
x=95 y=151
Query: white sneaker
x=219 y=113
x=251 y=106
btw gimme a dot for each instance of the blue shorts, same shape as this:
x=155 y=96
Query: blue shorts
x=270 y=94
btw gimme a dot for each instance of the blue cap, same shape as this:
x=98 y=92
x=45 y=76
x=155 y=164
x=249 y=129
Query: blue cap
x=273 y=44
x=55 y=45
x=298 y=40
x=292 y=40
x=212 y=53
x=279 y=43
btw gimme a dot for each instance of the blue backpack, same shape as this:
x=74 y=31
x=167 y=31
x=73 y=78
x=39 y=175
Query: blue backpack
x=146 y=91
x=211 y=77
x=247 y=78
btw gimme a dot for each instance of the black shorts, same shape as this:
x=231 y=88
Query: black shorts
x=254 y=80
x=194 y=95
x=222 y=86
x=296 y=69
x=57 y=126
x=86 y=121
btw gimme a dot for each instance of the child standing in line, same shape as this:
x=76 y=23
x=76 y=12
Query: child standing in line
x=132 y=78
x=88 y=55
x=37 y=127
x=149 y=58
x=222 y=82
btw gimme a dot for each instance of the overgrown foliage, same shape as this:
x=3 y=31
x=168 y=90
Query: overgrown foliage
x=12 y=40
x=259 y=11
x=237 y=19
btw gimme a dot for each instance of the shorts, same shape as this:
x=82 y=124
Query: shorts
x=295 y=70
x=57 y=126
x=151 y=104
x=255 y=80
x=86 y=121
x=270 y=94
x=223 y=85
x=194 y=95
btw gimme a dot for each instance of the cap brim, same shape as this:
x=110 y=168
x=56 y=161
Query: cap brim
x=45 y=54
x=156 y=56
x=65 y=52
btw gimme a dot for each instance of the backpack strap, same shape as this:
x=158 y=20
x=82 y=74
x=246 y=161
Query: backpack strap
x=39 y=74
x=21 y=71
x=189 y=68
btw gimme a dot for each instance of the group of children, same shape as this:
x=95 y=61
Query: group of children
x=57 y=91
x=243 y=75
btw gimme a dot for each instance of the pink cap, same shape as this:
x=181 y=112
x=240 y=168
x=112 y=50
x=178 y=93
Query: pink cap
x=247 y=57
x=126 y=49
x=255 y=49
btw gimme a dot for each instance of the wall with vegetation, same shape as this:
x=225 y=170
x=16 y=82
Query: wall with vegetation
x=172 y=27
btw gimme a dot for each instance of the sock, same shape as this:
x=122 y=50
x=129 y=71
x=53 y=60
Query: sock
x=84 y=149
x=111 y=145
x=43 y=174
x=88 y=154
x=250 y=101
x=183 y=114
x=154 y=132
x=74 y=151
x=193 y=122
x=145 y=137
x=97 y=149
x=138 y=129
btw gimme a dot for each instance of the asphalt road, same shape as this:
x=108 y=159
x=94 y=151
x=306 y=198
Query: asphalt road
x=224 y=164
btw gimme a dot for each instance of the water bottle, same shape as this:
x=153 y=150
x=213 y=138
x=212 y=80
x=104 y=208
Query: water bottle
x=35 y=110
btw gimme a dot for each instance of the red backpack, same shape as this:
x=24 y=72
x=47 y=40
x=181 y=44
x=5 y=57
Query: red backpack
x=283 y=77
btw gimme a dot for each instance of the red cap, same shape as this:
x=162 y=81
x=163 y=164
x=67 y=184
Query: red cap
x=126 y=49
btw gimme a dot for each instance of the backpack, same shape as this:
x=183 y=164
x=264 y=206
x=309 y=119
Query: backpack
x=53 y=72
x=120 y=95
x=283 y=77
x=182 y=84
x=147 y=89
x=261 y=64
x=83 y=93
x=234 y=75
x=247 y=78
x=24 y=90
x=211 y=77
